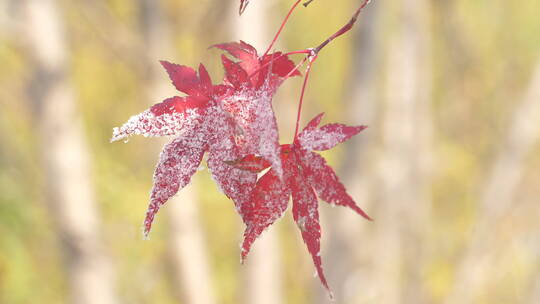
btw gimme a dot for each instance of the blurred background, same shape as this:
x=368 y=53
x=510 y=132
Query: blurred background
x=449 y=167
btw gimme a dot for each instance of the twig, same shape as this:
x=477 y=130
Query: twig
x=307 y=3
x=282 y=26
x=313 y=53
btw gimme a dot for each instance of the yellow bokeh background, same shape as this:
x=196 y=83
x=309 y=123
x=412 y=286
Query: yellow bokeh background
x=439 y=82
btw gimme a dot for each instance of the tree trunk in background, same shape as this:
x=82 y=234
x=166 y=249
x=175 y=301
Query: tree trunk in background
x=66 y=162
x=497 y=195
x=263 y=267
x=346 y=235
x=187 y=250
x=402 y=218
x=534 y=297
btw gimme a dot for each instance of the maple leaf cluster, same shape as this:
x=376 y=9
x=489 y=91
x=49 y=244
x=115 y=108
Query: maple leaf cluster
x=233 y=123
x=227 y=121
x=306 y=176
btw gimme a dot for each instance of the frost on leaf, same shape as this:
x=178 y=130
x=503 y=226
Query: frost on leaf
x=169 y=118
x=236 y=184
x=267 y=203
x=306 y=215
x=201 y=125
x=178 y=162
x=327 y=136
x=306 y=176
x=255 y=80
x=229 y=121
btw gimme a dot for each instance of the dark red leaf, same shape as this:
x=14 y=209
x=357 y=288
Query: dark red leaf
x=306 y=216
x=325 y=181
x=267 y=203
x=183 y=78
x=178 y=105
x=305 y=173
x=281 y=65
x=205 y=80
x=245 y=53
x=234 y=74
x=269 y=70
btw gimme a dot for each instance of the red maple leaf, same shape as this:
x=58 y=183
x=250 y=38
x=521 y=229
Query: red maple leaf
x=255 y=80
x=201 y=125
x=222 y=120
x=306 y=176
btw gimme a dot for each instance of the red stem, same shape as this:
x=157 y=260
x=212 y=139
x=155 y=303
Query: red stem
x=315 y=52
x=295 y=68
x=274 y=59
x=347 y=27
x=282 y=26
x=312 y=58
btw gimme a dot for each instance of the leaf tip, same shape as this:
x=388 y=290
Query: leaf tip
x=165 y=63
x=315 y=122
x=330 y=295
x=244 y=252
x=117 y=135
x=146 y=233
x=361 y=212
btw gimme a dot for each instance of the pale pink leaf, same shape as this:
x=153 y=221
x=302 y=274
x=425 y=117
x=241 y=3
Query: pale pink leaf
x=235 y=183
x=178 y=162
x=171 y=117
x=327 y=136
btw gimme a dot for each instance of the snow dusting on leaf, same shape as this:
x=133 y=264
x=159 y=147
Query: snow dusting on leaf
x=255 y=80
x=178 y=161
x=229 y=121
x=327 y=136
x=171 y=117
x=267 y=204
x=252 y=110
x=235 y=183
x=202 y=125
x=306 y=176
x=234 y=123
x=306 y=214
